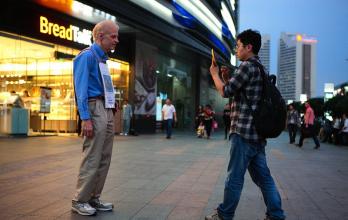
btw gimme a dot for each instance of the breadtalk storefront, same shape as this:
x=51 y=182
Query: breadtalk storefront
x=37 y=46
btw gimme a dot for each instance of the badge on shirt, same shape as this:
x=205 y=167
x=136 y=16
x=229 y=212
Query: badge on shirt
x=108 y=86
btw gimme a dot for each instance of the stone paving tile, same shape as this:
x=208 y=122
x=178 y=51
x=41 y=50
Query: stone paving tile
x=154 y=212
x=159 y=183
x=8 y=216
x=184 y=213
x=168 y=198
x=51 y=210
x=139 y=196
x=135 y=183
x=202 y=187
x=195 y=200
x=29 y=206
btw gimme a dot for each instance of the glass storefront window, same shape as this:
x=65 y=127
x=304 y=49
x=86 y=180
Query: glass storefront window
x=175 y=81
x=27 y=64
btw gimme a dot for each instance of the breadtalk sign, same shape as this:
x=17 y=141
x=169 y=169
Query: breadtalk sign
x=71 y=33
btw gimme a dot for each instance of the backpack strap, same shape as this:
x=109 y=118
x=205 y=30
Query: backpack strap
x=263 y=75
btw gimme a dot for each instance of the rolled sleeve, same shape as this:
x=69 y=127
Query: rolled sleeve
x=81 y=76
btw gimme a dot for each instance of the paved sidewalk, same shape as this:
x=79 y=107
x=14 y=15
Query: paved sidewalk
x=182 y=178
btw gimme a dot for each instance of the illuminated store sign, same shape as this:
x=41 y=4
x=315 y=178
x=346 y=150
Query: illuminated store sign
x=71 y=33
x=79 y=10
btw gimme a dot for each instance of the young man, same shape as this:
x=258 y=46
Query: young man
x=344 y=130
x=247 y=147
x=96 y=104
x=127 y=114
x=168 y=113
x=293 y=121
x=309 y=126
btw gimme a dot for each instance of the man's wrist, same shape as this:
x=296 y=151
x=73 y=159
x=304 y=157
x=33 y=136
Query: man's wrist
x=86 y=120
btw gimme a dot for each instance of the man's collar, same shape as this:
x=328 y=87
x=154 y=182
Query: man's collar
x=255 y=57
x=100 y=52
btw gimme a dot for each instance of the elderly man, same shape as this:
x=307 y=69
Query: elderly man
x=96 y=106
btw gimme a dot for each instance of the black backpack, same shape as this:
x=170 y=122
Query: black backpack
x=269 y=117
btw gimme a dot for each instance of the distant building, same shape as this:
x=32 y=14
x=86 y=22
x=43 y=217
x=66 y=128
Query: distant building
x=329 y=89
x=265 y=51
x=297 y=66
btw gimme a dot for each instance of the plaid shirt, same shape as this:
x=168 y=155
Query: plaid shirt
x=247 y=80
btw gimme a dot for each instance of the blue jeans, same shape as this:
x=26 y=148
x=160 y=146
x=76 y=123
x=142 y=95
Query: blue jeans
x=252 y=157
x=168 y=125
x=126 y=126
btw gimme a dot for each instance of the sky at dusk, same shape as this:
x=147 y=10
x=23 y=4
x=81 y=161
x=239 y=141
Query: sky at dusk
x=326 y=20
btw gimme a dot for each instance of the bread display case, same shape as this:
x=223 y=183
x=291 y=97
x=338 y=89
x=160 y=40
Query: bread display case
x=61 y=118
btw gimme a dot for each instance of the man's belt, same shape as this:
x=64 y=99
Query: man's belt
x=94 y=98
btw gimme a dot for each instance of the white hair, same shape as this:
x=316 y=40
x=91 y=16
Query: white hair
x=101 y=26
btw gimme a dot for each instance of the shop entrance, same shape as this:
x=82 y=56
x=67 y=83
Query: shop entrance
x=27 y=67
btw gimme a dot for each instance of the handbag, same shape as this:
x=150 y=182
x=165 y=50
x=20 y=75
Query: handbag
x=215 y=124
x=307 y=131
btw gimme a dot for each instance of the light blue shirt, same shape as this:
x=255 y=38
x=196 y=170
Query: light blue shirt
x=127 y=112
x=87 y=78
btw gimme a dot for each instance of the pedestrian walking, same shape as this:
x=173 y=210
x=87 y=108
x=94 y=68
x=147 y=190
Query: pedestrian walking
x=96 y=105
x=127 y=114
x=200 y=130
x=168 y=114
x=199 y=116
x=336 y=130
x=344 y=130
x=247 y=147
x=208 y=119
x=307 y=129
x=293 y=122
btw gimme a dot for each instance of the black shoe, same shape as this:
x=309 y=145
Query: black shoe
x=317 y=147
x=298 y=145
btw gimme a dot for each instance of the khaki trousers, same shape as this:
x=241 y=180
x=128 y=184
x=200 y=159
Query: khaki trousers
x=96 y=153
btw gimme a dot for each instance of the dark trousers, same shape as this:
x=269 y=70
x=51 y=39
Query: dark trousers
x=336 y=136
x=207 y=126
x=169 y=126
x=227 y=127
x=79 y=125
x=309 y=132
x=292 y=128
x=344 y=138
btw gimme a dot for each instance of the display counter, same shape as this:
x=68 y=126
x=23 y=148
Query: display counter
x=39 y=125
x=14 y=121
